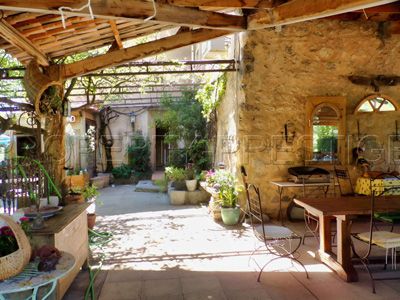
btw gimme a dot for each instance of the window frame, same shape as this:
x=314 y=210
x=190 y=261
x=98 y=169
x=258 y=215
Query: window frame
x=338 y=103
x=374 y=110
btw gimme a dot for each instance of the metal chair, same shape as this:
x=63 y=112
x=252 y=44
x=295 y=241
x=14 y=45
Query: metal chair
x=278 y=240
x=344 y=181
x=384 y=239
x=390 y=218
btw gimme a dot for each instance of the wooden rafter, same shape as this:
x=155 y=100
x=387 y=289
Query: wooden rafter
x=134 y=9
x=303 y=10
x=14 y=37
x=223 y=3
x=138 y=52
x=115 y=31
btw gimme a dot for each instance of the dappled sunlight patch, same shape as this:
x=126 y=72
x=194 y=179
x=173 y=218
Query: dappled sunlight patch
x=187 y=240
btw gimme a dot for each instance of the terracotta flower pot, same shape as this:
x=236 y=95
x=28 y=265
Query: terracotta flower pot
x=91 y=219
x=74 y=198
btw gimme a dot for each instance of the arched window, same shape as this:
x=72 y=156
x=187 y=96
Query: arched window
x=325 y=129
x=376 y=103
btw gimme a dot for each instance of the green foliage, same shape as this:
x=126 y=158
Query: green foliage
x=226 y=184
x=139 y=156
x=90 y=191
x=198 y=154
x=162 y=184
x=182 y=118
x=184 y=121
x=325 y=138
x=123 y=171
x=210 y=95
x=177 y=158
x=175 y=174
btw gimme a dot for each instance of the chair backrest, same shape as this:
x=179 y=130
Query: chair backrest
x=253 y=203
x=390 y=184
x=343 y=178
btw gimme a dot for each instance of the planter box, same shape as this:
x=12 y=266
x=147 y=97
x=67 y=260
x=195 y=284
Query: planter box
x=77 y=181
x=177 y=197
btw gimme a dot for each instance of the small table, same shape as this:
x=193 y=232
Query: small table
x=342 y=208
x=289 y=184
x=31 y=279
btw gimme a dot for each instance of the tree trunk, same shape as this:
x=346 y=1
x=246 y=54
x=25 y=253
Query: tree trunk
x=54 y=148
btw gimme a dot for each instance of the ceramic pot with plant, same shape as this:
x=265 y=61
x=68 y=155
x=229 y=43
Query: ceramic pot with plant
x=191 y=181
x=177 y=176
x=74 y=196
x=228 y=192
x=90 y=194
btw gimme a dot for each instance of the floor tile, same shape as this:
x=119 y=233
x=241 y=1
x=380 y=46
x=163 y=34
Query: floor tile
x=162 y=287
x=206 y=295
x=130 y=290
x=200 y=284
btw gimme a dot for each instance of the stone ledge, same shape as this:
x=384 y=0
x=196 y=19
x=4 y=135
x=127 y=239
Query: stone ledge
x=186 y=197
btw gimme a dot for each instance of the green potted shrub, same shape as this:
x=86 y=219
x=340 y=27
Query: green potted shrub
x=190 y=179
x=177 y=196
x=228 y=192
x=90 y=194
x=177 y=176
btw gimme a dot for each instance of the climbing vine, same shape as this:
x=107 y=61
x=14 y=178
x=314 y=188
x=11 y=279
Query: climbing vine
x=211 y=94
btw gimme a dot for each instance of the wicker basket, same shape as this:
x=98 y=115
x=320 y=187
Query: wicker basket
x=15 y=262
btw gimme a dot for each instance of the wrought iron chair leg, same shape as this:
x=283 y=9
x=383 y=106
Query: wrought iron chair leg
x=282 y=257
x=309 y=229
x=252 y=253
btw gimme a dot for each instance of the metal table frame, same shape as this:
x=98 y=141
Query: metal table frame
x=289 y=184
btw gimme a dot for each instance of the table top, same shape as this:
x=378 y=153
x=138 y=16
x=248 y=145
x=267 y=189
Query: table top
x=345 y=205
x=58 y=222
x=30 y=278
x=293 y=184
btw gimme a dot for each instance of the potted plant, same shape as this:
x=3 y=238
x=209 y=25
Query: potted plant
x=90 y=194
x=190 y=180
x=74 y=196
x=228 y=192
x=177 y=176
x=230 y=210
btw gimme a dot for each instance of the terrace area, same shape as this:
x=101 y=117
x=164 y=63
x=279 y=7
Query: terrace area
x=161 y=251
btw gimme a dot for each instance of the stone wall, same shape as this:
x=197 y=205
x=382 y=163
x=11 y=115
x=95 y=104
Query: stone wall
x=280 y=70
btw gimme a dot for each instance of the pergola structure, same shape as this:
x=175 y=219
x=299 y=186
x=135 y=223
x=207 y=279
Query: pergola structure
x=34 y=29
x=41 y=34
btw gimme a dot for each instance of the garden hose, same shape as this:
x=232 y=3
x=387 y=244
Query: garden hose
x=96 y=240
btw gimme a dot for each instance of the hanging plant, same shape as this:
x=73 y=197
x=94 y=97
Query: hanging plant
x=211 y=94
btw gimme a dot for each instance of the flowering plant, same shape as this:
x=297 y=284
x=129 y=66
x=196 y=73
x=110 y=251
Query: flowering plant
x=8 y=243
x=226 y=185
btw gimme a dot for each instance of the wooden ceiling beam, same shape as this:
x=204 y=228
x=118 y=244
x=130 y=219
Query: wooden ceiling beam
x=304 y=10
x=135 y=9
x=115 y=31
x=138 y=52
x=14 y=37
x=248 y=4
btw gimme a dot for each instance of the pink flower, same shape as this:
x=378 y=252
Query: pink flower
x=24 y=219
x=5 y=230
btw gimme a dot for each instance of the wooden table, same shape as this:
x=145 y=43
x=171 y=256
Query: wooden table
x=68 y=232
x=343 y=209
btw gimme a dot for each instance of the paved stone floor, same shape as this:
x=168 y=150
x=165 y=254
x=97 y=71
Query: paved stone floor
x=165 y=252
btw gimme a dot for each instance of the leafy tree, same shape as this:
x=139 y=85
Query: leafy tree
x=184 y=121
x=139 y=157
x=325 y=138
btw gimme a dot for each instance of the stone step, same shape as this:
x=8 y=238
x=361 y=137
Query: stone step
x=147 y=186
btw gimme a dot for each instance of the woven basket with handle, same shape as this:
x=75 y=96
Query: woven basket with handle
x=14 y=263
